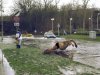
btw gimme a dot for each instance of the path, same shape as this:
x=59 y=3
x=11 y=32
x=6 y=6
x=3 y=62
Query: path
x=1 y=65
x=5 y=68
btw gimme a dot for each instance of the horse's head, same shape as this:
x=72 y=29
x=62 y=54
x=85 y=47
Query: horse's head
x=73 y=43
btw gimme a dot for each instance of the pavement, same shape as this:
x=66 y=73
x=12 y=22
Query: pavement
x=1 y=64
x=5 y=68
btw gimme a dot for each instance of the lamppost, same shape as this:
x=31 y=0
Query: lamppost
x=97 y=20
x=52 y=19
x=1 y=7
x=1 y=22
x=89 y=23
x=58 y=28
x=71 y=25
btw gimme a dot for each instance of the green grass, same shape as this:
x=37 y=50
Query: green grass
x=29 y=60
x=5 y=46
x=81 y=37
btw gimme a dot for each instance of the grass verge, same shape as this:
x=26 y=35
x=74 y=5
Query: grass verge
x=81 y=37
x=31 y=61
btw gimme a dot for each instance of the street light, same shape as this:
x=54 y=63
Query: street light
x=1 y=21
x=97 y=20
x=71 y=25
x=58 y=28
x=1 y=7
x=89 y=23
x=52 y=19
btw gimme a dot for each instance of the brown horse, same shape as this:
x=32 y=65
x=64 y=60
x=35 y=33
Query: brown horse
x=61 y=46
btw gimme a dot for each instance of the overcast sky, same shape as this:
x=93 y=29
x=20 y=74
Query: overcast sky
x=9 y=3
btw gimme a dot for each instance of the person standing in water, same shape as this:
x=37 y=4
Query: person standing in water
x=18 y=39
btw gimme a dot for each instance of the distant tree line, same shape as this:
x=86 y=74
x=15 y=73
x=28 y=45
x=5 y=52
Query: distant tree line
x=36 y=15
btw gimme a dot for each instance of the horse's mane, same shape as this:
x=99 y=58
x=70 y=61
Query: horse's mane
x=64 y=44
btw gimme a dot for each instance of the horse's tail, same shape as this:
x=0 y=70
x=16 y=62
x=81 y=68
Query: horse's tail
x=74 y=43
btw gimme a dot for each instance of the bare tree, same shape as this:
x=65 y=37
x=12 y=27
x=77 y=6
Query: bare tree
x=91 y=17
x=1 y=9
x=47 y=3
x=23 y=5
x=56 y=2
x=85 y=3
x=75 y=3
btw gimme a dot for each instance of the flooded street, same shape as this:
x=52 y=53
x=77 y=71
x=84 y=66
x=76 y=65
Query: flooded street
x=88 y=53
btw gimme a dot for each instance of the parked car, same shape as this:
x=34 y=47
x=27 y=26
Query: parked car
x=49 y=35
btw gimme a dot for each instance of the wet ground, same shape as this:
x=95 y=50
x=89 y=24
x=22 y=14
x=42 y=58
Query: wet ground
x=5 y=68
x=87 y=53
x=1 y=65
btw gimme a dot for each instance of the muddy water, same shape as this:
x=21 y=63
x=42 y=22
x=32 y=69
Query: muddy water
x=88 y=53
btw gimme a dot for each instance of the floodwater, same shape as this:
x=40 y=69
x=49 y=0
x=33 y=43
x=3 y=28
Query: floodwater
x=88 y=53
